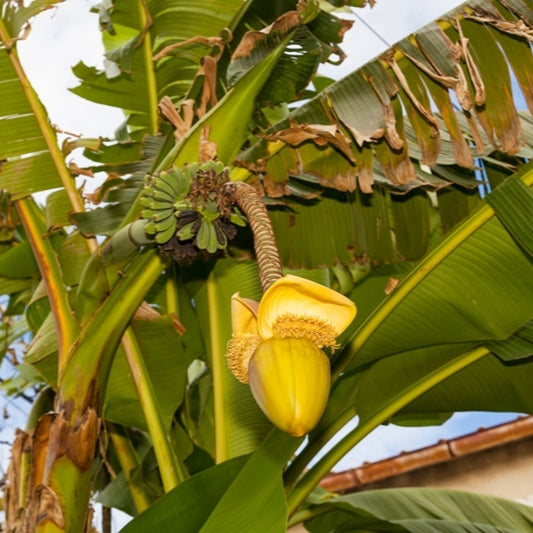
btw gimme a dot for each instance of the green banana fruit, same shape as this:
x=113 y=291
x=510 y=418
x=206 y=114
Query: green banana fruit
x=163 y=236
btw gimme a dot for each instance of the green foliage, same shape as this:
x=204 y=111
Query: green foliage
x=233 y=501
x=369 y=190
x=420 y=510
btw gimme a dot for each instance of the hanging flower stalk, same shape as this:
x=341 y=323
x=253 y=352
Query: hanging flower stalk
x=277 y=343
x=246 y=197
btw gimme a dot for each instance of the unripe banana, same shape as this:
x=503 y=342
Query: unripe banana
x=173 y=194
x=203 y=235
x=163 y=225
x=165 y=185
x=157 y=215
x=163 y=236
x=162 y=196
x=186 y=233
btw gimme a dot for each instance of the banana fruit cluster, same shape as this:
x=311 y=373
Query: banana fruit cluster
x=185 y=207
x=158 y=197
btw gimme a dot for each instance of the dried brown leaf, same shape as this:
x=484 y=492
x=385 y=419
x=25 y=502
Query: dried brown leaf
x=391 y=133
x=75 y=170
x=146 y=312
x=320 y=134
x=461 y=90
x=365 y=180
x=401 y=173
x=39 y=446
x=209 y=94
x=77 y=443
x=473 y=71
x=177 y=325
x=169 y=111
x=423 y=110
x=518 y=28
x=284 y=24
x=434 y=73
x=341 y=182
x=275 y=189
x=14 y=496
x=254 y=167
x=44 y=510
x=397 y=166
x=208 y=149
x=391 y=285
x=209 y=41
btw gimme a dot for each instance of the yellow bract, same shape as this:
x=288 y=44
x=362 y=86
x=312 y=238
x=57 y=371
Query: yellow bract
x=299 y=373
x=300 y=297
x=276 y=347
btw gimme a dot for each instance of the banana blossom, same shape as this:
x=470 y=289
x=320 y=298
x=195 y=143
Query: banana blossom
x=277 y=344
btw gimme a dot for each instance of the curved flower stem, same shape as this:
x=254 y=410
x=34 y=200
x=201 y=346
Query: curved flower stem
x=246 y=197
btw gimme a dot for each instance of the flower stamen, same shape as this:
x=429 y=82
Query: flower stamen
x=315 y=329
x=239 y=350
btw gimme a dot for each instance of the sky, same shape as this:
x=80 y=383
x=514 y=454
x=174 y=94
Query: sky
x=68 y=34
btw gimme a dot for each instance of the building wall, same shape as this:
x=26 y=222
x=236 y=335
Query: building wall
x=505 y=471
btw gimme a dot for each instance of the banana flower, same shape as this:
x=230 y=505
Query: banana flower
x=277 y=344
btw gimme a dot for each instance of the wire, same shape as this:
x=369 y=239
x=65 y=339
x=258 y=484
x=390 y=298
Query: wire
x=376 y=33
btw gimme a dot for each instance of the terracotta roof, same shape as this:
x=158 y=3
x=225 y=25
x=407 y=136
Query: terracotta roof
x=443 y=451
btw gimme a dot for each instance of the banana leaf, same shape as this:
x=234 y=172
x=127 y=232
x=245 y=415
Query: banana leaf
x=426 y=348
x=31 y=158
x=240 y=425
x=420 y=511
x=490 y=116
x=243 y=493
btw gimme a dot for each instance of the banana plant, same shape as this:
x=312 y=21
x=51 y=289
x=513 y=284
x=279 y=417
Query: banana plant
x=193 y=341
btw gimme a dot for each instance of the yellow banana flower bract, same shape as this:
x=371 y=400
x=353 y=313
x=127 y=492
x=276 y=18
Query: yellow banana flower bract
x=277 y=347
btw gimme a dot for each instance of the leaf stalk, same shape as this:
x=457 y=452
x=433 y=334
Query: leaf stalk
x=313 y=476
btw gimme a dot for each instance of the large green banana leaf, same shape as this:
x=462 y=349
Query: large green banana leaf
x=166 y=364
x=134 y=33
x=418 y=102
x=31 y=159
x=245 y=493
x=238 y=421
x=420 y=511
x=479 y=275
